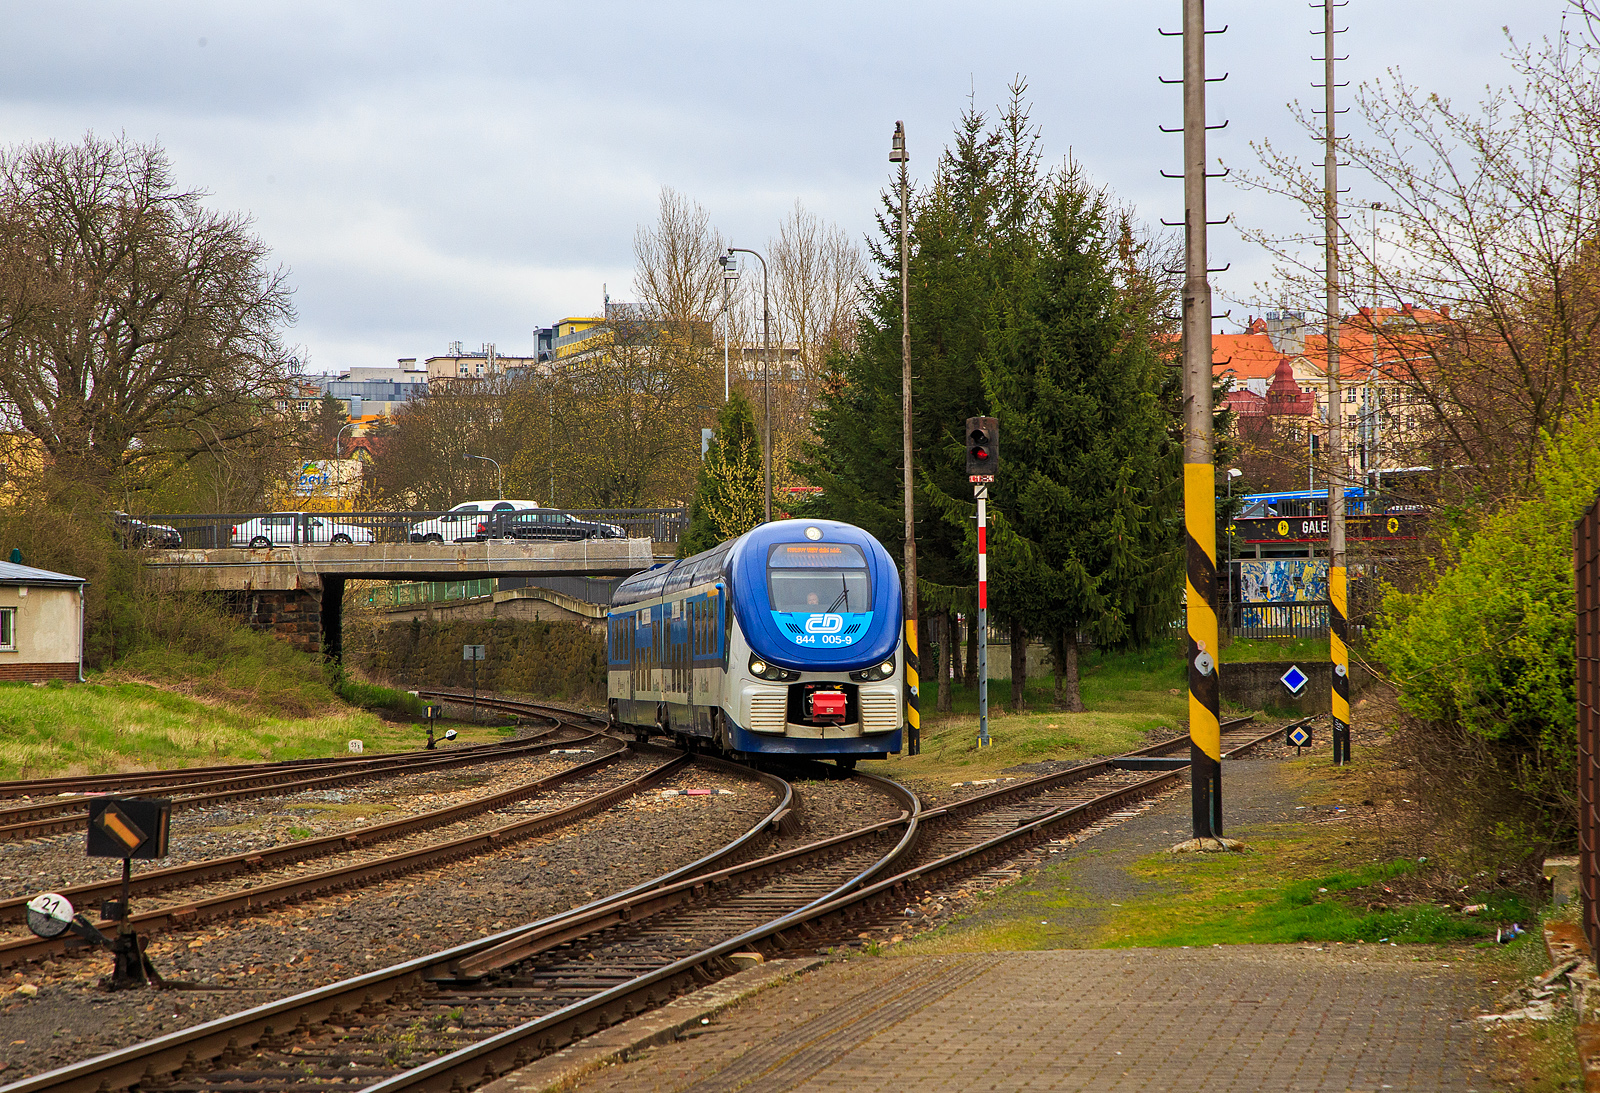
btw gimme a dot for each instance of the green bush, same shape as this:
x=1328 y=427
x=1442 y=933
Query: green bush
x=1483 y=659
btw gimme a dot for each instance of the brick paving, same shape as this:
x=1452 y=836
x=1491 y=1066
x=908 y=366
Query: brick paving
x=1244 y=1018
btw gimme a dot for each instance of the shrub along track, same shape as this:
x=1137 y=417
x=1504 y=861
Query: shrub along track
x=462 y=1016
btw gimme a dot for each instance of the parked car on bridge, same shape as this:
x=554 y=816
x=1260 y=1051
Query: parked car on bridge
x=289 y=528
x=136 y=533
x=549 y=524
x=460 y=524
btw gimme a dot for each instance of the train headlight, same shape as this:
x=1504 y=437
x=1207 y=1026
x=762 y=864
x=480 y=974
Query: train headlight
x=873 y=675
x=762 y=670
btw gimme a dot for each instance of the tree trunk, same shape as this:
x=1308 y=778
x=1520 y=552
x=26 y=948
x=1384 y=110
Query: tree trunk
x=942 y=620
x=1067 y=671
x=925 y=659
x=1019 y=665
x=1058 y=657
x=957 y=676
x=972 y=650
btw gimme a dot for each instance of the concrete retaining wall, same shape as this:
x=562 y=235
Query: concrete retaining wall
x=1258 y=686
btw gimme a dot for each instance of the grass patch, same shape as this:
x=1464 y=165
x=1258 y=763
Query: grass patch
x=1250 y=650
x=114 y=725
x=1128 y=694
x=1260 y=898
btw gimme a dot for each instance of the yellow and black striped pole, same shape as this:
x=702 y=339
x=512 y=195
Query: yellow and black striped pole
x=1205 y=726
x=1339 y=653
x=1199 y=473
x=913 y=714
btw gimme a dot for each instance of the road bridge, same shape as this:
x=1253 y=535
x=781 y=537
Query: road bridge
x=297 y=591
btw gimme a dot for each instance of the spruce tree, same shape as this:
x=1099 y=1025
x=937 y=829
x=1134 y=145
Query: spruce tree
x=1086 y=534
x=729 y=497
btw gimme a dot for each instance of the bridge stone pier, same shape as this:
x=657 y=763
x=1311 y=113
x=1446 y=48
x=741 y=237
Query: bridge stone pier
x=297 y=592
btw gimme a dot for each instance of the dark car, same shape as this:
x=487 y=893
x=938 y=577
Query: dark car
x=134 y=532
x=548 y=524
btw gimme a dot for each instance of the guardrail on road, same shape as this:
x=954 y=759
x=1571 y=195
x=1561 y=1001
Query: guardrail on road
x=210 y=531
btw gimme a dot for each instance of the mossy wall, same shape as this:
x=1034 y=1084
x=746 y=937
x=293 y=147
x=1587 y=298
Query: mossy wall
x=548 y=659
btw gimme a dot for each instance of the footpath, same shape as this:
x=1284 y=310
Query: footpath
x=1229 y=1018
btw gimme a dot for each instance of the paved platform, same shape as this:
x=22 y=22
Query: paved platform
x=1285 y=1018
x=1244 y=1018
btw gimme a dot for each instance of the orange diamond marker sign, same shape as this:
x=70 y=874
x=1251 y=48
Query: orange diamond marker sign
x=114 y=822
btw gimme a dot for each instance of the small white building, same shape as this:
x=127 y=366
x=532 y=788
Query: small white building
x=41 y=624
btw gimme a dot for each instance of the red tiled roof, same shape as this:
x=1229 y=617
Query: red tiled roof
x=1245 y=356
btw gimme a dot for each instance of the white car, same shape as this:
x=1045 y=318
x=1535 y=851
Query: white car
x=460 y=524
x=289 y=528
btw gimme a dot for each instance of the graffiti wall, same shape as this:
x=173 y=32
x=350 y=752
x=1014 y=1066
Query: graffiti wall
x=1282 y=580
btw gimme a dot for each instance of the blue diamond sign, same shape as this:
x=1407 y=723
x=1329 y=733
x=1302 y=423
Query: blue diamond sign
x=1299 y=736
x=1294 y=679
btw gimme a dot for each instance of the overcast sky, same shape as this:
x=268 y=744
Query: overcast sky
x=470 y=171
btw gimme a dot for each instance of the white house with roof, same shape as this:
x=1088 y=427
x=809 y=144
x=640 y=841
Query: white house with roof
x=41 y=624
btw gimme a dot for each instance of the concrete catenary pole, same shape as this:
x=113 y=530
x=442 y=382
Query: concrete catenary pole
x=1338 y=604
x=898 y=154
x=1199 y=474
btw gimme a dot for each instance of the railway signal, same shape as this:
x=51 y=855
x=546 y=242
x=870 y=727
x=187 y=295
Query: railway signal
x=983 y=460
x=983 y=448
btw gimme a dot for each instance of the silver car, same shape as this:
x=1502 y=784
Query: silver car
x=290 y=528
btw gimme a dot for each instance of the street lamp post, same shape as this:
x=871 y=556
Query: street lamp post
x=766 y=373
x=730 y=274
x=337 y=451
x=898 y=154
x=499 y=489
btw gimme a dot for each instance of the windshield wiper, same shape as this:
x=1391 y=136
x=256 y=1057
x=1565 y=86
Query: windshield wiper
x=844 y=596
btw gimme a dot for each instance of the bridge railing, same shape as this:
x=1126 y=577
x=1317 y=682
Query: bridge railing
x=211 y=530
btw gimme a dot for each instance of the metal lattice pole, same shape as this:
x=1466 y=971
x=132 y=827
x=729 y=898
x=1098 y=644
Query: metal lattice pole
x=899 y=155
x=1338 y=626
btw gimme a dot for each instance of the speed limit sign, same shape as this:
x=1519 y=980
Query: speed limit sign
x=49 y=914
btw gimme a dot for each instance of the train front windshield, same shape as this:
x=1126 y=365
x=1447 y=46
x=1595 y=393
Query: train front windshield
x=818 y=578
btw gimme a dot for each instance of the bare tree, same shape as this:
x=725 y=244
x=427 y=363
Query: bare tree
x=676 y=275
x=1491 y=218
x=138 y=329
x=423 y=463
x=620 y=426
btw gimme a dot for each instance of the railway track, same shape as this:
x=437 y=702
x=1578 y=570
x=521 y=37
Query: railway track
x=461 y=1017
x=367 y=871
x=55 y=815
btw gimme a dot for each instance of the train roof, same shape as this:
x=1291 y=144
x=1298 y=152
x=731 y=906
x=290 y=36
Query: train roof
x=668 y=577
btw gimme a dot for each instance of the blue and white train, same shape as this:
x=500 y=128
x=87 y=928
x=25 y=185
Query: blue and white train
x=784 y=641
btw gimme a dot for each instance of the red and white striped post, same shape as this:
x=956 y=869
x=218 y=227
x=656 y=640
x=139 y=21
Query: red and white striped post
x=983 y=615
x=983 y=460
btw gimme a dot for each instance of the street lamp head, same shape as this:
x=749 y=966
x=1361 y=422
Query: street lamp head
x=897 y=150
x=1234 y=472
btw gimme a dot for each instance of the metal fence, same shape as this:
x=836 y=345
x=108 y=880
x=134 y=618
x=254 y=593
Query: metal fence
x=199 y=531
x=1297 y=619
x=589 y=589
x=1586 y=574
x=423 y=592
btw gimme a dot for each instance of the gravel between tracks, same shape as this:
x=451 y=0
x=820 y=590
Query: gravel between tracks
x=234 y=827
x=246 y=962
